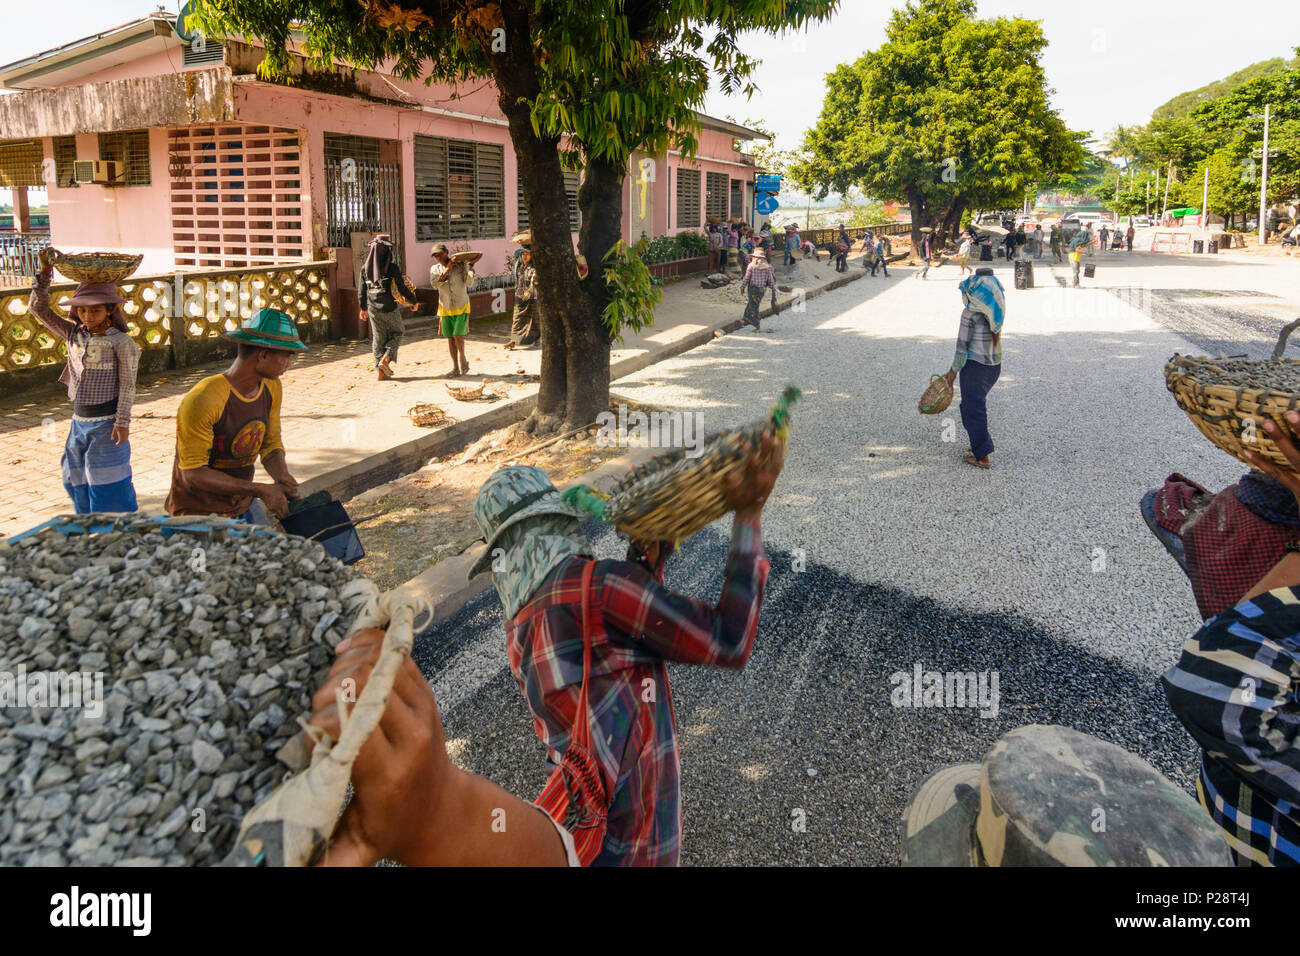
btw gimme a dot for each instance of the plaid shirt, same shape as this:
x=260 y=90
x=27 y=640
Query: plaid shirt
x=637 y=626
x=975 y=341
x=1235 y=688
x=100 y=368
x=759 y=275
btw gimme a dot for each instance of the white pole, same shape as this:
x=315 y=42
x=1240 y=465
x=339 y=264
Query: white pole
x=1157 y=186
x=1169 y=177
x=1205 y=199
x=1263 y=182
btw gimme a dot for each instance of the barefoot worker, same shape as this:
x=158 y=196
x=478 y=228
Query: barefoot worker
x=227 y=421
x=545 y=576
x=381 y=285
x=978 y=358
x=100 y=376
x=452 y=281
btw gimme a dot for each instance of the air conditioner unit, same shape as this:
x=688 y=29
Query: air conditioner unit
x=101 y=172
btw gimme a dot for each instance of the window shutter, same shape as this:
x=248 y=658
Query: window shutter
x=688 y=198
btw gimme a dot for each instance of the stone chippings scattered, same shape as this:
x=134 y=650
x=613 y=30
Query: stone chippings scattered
x=210 y=651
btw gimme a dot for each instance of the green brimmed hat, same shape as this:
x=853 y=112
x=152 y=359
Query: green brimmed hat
x=1051 y=796
x=270 y=329
x=513 y=494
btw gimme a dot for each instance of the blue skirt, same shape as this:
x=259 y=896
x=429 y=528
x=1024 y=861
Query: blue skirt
x=96 y=472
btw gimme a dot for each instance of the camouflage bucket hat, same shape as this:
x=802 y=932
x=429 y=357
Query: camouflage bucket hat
x=509 y=496
x=1052 y=796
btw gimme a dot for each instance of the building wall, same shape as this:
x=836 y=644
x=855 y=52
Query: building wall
x=115 y=218
x=137 y=218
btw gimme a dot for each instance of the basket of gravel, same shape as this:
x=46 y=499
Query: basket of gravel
x=157 y=676
x=1229 y=398
x=672 y=496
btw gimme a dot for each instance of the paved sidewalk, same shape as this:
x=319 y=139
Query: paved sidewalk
x=335 y=412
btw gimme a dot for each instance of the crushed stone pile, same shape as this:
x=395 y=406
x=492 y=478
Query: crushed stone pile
x=199 y=657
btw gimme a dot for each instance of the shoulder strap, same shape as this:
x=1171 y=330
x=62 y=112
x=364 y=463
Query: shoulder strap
x=582 y=718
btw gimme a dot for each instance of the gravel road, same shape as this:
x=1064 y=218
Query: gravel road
x=888 y=552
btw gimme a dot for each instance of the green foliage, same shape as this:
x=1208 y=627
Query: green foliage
x=914 y=121
x=1221 y=126
x=866 y=214
x=632 y=296
x=1182 y=104
x=691 y=245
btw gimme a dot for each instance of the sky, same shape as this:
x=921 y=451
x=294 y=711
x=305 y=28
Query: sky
x=1111 y=62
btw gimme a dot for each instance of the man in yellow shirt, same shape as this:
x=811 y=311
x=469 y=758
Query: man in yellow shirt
x=227 y=421
x=452 y=280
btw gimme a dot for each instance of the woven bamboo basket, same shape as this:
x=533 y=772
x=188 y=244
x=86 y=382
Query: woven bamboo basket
x=95 y=266
x=468 y=256
x=937 y=397
x=426 y=414
x=1229 y=398
x=672 y=496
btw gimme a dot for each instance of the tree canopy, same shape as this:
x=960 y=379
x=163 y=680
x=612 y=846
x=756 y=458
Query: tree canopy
x=596 y=79
x=950 y=113
x=1222 y=129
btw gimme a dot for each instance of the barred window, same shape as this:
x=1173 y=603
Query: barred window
x=459 y=189
x=362 y=150
x=715 y=202
x=737 y=199
x=572 y=180
x=65 y=158
x=131 y=149
x=688 y=198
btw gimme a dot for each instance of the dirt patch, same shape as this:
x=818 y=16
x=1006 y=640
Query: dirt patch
x=428 y=516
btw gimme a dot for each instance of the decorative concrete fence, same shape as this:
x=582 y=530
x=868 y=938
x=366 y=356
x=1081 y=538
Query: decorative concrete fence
x=177 y=320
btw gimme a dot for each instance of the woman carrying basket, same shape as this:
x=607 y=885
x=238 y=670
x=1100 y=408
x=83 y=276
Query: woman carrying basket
x=979 y=358
x=100 y=376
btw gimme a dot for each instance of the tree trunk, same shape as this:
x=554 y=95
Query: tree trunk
x=560 y=297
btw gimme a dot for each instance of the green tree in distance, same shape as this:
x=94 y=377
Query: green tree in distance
x=598 y=80
x=950 y=113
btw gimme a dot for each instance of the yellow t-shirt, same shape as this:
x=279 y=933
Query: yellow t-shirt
x=219 y=428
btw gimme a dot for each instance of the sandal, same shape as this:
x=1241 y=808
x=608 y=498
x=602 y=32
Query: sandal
x=454 y=373
x=383 y=373
x=972 y=460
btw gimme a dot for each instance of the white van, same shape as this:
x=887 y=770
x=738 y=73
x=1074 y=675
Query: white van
x=1093 y=219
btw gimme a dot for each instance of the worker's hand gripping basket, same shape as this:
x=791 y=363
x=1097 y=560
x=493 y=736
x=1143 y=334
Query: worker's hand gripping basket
x=671 y=497
x=1228 y=399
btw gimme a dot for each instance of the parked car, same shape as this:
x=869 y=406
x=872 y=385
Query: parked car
x=1141 y=222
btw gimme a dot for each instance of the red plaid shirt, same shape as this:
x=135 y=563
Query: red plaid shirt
x=636 y=626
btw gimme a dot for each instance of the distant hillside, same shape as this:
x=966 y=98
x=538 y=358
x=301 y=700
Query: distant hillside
x=1184 y=103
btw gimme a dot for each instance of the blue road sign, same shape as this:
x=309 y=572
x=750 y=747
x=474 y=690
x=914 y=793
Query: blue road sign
x=767 y=183
x=767 y=204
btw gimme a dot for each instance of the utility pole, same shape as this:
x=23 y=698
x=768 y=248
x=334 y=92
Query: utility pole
x=1263 y=182
x=1169 y=177
x=1157 y=186
x=1148 y=197
x=1205 y=199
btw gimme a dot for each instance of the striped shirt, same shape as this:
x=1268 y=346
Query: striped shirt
x=637 y=626
x=101 y=368
x=1234 y=688
x=975 y=341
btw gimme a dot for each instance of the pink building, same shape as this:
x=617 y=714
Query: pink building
x=217 y=168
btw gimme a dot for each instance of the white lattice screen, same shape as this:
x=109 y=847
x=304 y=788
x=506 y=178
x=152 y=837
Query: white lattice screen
x=236 y=196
